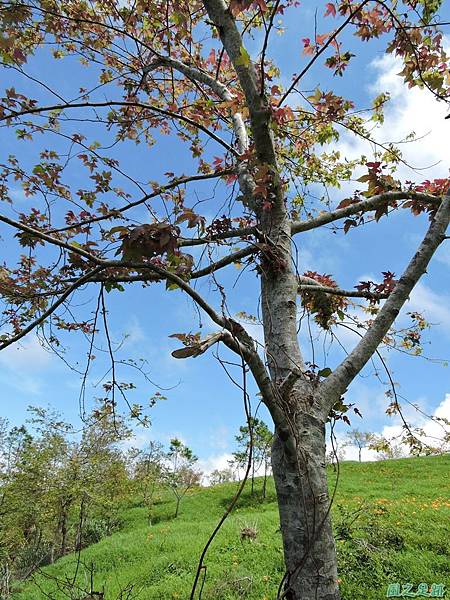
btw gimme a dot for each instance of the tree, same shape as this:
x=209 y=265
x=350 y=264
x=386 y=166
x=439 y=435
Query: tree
x=148 y=473
x=386 y=449
x=179 y=474
x=257 y=434
x=360 y=439
x=219 y=476
x=57 y=494
x=204 y=73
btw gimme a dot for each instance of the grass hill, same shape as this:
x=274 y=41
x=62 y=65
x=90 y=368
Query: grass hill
x=391 y=521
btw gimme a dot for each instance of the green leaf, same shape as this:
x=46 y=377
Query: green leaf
x=119 y=229
x=244 y=57
x=325 y=372
x=430 y=8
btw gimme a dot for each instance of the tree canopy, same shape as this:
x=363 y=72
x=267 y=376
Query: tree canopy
x=104 y=94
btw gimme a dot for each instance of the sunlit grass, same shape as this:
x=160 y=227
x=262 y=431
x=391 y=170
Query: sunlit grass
x=400 y=534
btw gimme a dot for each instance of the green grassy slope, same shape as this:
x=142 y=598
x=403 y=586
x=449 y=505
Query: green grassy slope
x=401 y=534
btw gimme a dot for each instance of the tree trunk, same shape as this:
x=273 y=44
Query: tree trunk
x=264 y=480
x=82 y=517
x=62 y=527
x=177 y=506
x=303 y=501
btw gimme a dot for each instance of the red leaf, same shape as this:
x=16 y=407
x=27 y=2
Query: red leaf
x=331 y=10
x=346 y=202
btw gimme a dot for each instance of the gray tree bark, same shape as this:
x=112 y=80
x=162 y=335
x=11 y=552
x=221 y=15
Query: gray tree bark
x=304 y=507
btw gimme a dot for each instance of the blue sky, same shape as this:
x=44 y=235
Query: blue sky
x=203 y=407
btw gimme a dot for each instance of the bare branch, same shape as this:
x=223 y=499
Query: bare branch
x=265 y=44
x=259 y=112
x=311 y=285
x=336 y=384
x=236 y=338
x=362 y=206
x=242 y=232
x=322 y=50
x=288 y=382
x=151 y=277
x=242 y=344
x=226 y=260
x=246 y=182
x=82 y=280
x=115 y=212
x=345 y=293
x=109 y=104
x=191 y=73
x=172 y=277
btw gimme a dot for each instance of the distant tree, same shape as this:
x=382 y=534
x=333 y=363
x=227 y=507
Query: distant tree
x=360 y=439
x=261 y=438
x=335 y=456
x=148 y=473
x=221 y=476
x=57 y=493
x=386 y=448
x=104 y=481
x=180 y=475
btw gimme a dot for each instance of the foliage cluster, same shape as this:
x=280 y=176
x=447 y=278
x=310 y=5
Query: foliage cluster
x=62 y=490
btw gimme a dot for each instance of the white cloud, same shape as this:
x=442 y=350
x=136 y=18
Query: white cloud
x=18 y=195
x=23 y=365
x=219 y=438
x=409 y=110
x=213 y=462
x=134 y=332
x=140 y=439
x=434 y=432
x=25 y=356
x=435 y=307
x=220 y=462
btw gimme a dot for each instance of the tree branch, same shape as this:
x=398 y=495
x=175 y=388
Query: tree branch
x=223 y=262
x=51 y=309
x=109 y=104
x=236 y=338
x=232 y=233
x=311 y=285
x=265 y=44
x=246 y=182
x=172 y=277
x=114 y=212
x=288 y=383
x=324 y=47
x=148 y=278
x=240 y=343
x=50 y=239
x=216 y=86
x=336 y=384
x=259 y=111
x=362 y=206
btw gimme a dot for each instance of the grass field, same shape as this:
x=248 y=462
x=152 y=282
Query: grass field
x=391 y=521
